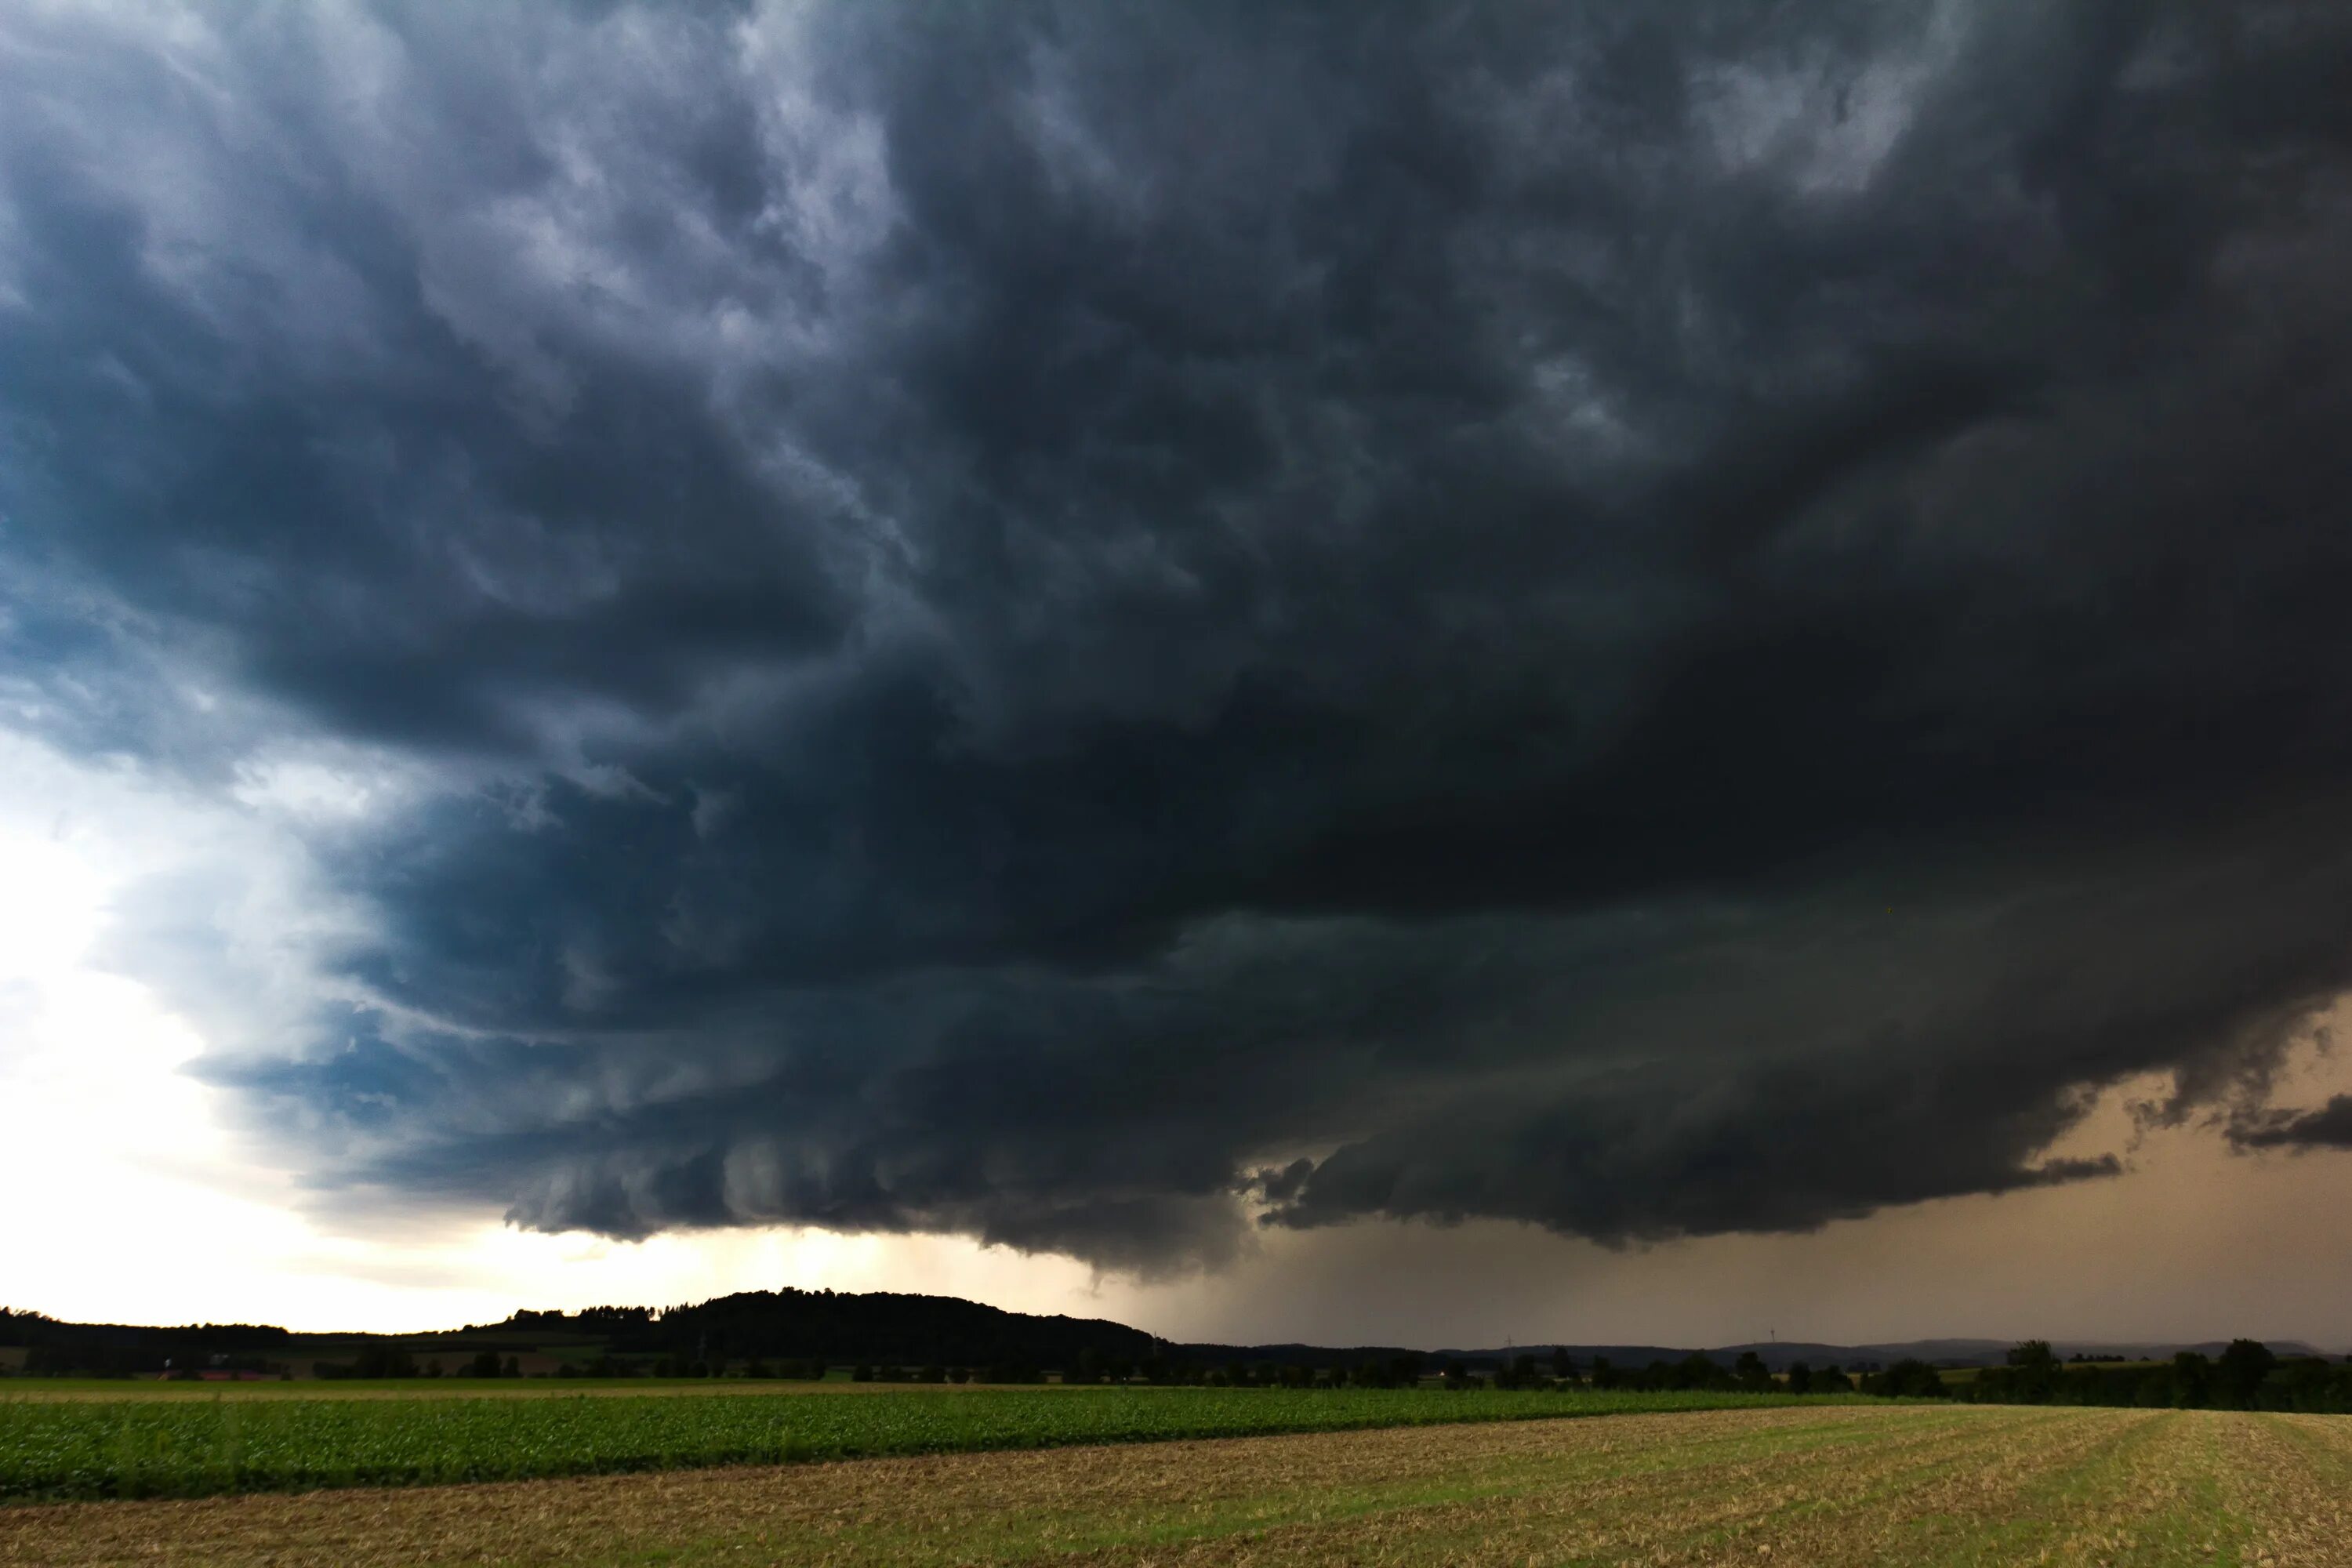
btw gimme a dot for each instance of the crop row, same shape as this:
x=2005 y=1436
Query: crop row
x=188 y=1447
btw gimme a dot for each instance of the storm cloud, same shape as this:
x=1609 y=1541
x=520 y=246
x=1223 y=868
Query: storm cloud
x=1093 y=624
x=2328 y=1127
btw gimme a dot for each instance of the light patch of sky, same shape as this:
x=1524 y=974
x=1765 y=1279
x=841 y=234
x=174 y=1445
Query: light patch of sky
x=123 y=1189
x=1581 y=411
x=830 y=194
x=1825 y=128
x=304 y=787
x=134 y=1202
x=12 y=245
x=1074 y=158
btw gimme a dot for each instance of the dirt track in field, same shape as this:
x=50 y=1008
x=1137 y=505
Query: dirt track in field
x=1910 y=1485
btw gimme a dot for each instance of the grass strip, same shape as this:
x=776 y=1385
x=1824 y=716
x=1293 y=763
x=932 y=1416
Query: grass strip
x=131 y=1448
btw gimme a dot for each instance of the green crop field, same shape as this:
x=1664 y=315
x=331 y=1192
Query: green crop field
x=1887 y=1486
x=33 y=1390
x=186 y=1447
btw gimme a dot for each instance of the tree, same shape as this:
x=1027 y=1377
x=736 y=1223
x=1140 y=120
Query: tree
x=485 y=1363
x=1909 y=1378
x=1752 y=1373
x=513 y=1367
x=1800 y=1377
x=1519 y=1373
x=2033 y=1372
x=384 y=1364
x=1563 y=1365
x=2240 y=1373
x=2192 y=1381
x=1697 y=1370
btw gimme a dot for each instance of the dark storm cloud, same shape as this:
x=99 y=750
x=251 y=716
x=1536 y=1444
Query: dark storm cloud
x=1060 y=622
x=2329 y=1126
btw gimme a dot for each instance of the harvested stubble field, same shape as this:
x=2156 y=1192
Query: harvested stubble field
x=1880 y=1485
x=69 y=1448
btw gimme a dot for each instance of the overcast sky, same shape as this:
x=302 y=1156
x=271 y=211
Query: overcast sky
x=1422 y=672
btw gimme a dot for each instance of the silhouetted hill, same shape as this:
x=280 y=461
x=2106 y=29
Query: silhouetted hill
x=877 y=1326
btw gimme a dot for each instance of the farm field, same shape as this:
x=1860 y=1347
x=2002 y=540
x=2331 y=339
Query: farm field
x=83 y=1447
x=108 y=1390
x=1888 y=1485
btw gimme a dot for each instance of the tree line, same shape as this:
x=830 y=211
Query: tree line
x=885 y=1338
x=2248 y=1375
x=390 y=1360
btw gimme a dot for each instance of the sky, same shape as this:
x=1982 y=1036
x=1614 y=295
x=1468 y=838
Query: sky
x=1427 y=674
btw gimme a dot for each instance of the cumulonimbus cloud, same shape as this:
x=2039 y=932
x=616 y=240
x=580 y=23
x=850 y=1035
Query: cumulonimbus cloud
x=1071 y=625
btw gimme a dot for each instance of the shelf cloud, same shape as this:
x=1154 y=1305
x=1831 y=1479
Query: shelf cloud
x=1101 y=626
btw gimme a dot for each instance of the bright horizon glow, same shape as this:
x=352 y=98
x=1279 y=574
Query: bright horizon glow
x=96 y=1101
